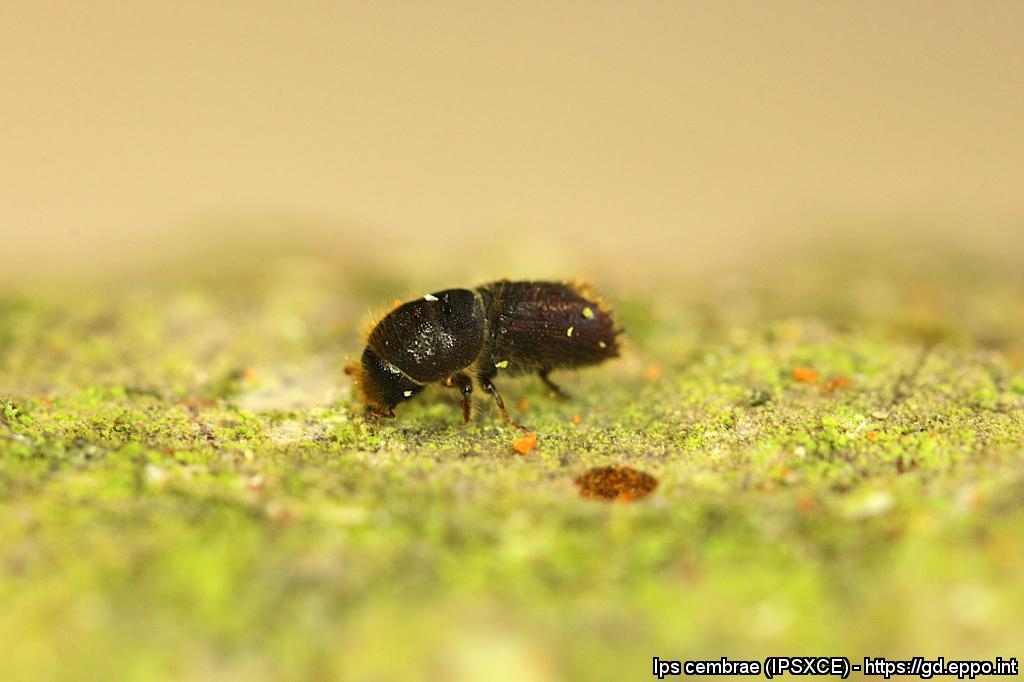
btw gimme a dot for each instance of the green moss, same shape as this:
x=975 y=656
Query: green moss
x=188 y=491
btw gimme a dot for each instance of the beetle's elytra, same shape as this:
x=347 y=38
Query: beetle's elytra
x=462 y=338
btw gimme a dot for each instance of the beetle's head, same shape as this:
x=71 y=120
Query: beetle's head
x=381 y=385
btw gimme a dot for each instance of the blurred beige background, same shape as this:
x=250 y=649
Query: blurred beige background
x=660 y=132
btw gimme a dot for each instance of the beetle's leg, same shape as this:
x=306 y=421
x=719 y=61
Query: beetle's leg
x=465 y=386
x=490 y=388
x=560 y=392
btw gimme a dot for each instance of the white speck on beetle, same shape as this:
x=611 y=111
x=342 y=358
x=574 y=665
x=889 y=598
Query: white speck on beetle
x=407 y=394
x=430 y=297
x=588 y=313
x=568 y=332
x=602 y=344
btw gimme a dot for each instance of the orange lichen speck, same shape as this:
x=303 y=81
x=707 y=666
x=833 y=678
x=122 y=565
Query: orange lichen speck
x=652 y=372
x=805 y=374
x=837 y=383
x=525 y=444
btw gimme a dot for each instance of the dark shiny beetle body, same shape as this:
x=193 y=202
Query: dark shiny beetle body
x=462 y=338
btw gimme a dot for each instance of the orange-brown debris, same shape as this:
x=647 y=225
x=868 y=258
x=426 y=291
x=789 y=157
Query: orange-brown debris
x=196 y=403
x=618 y=483
x=576 y=420
x=805 y=374
x=526 y=443
x=837 y=383
x=652 y=372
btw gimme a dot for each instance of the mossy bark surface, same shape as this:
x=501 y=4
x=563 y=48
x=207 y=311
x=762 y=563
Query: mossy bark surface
x=189 y=491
